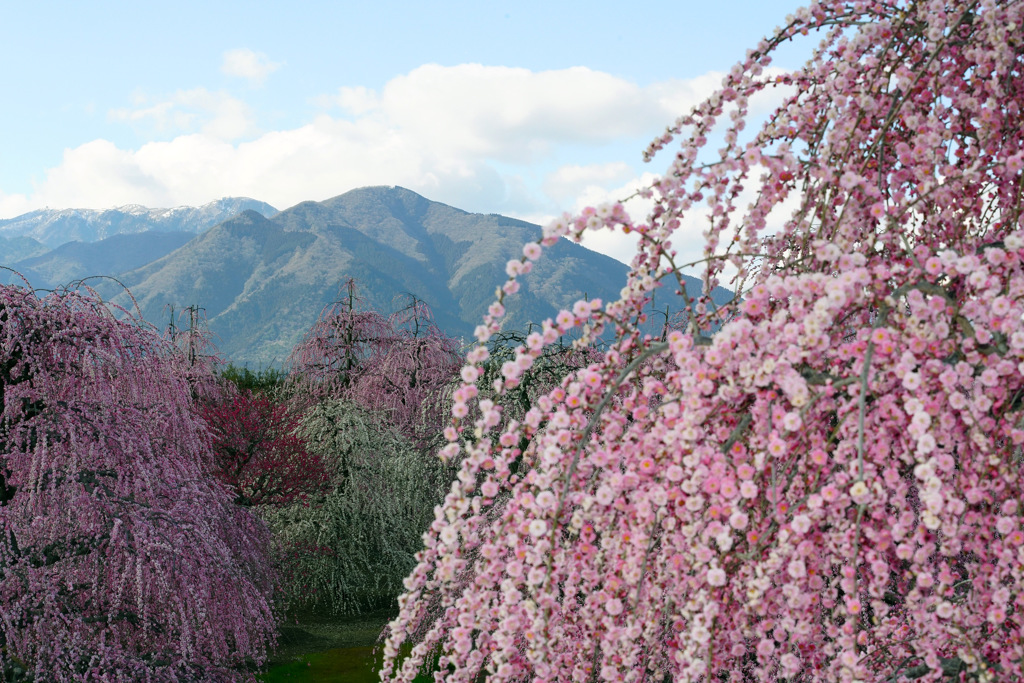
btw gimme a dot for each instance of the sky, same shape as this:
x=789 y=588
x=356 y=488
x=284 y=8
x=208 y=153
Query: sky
x=526 y=109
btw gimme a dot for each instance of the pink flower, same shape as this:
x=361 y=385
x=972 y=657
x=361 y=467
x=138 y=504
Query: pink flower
x=1005 y=525
x=790 y=663
x=604 y=495
x=581 y=309
x=738 y=520
x=613 y=607
x=716 y=577
x=796 y=569
x=801 y=524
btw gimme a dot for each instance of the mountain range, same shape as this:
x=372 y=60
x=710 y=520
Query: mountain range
x=54 y=227
x=263 y=277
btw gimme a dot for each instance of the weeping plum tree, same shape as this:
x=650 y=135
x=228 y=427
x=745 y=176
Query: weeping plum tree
x=829 y=488
x=396 y=366
x=347 y=549
x=373 y=392
x=120 y=557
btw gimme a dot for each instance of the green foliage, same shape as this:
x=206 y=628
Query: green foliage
x=264 y=380
x=349 y=550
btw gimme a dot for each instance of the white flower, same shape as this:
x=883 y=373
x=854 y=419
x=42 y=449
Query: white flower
x=538 y=528
x=797 y=569
x=546 y=499
x=449 y=536
x=716 y=576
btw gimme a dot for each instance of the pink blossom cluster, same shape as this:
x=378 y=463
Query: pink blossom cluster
x=395 y=366
x=828 y=488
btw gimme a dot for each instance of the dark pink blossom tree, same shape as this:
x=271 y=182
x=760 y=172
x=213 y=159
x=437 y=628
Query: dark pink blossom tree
x=257 y=453
x=121 y=558
x=829 y=487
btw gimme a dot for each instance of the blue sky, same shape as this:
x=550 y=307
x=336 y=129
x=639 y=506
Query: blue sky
x=521 y=108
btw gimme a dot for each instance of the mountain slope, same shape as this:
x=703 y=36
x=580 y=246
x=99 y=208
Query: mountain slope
x=16 y=248
x=263 y=281
x=117 y=254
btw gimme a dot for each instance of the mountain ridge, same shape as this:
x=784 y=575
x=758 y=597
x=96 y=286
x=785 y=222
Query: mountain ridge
x=54 y=227
x=263 y=280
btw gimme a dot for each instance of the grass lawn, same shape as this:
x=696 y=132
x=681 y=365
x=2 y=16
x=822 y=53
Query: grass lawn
x=351 y=664
x=313 y=648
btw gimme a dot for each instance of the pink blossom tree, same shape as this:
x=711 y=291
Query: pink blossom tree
x=396 y=366
x=826 y=489
x=121 y=558
x=374 y=394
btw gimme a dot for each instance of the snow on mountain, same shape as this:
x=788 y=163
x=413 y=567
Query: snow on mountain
x=54 y=227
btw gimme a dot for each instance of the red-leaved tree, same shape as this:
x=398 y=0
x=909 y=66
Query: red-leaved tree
x=829 y=487
x=257 y=453
x=121 y=558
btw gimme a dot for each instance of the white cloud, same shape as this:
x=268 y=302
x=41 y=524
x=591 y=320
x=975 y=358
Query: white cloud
x=99 y=174
x=216 y=114
x=247 y=64
x=480 y=138
x=516 y=115
x=15 y=204
x=358 y=100
x=568 y=183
